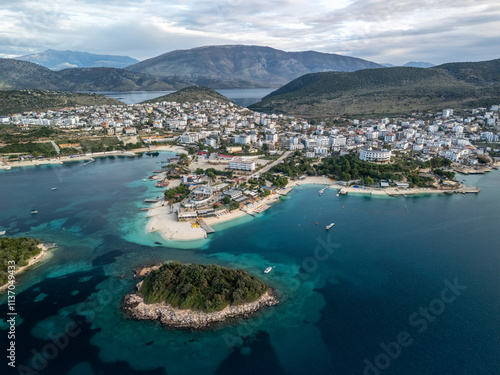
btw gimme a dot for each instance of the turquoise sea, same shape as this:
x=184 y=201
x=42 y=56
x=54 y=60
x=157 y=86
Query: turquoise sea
x=398 y=285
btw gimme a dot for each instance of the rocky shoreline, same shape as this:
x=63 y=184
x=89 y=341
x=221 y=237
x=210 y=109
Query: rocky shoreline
x=135 y=307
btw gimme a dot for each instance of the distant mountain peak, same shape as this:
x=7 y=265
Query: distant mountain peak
x=245 y=66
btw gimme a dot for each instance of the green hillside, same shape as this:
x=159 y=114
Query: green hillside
x=192 y=94
x=387 y=91
x=20 y=75
x=12 y=102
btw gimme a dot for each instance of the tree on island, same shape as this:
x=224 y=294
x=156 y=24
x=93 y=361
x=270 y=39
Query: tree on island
x=205 y=288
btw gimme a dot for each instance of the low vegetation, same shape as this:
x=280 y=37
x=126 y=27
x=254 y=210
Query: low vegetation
x=12 y=102
x=201 y=287
x=192 y=94
x=177 y=194
x=388 y=91
x=17 y=249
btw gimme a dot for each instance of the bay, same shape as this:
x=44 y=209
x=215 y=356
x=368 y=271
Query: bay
x=241 y=97
x=346 y=294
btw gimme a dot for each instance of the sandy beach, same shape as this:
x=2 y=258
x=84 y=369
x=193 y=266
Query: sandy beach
x=164 y=220
x=44 y=255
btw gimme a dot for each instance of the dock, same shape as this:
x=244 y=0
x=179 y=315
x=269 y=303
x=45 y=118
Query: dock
x=207 y=228
x=261 y=208
x=468 y=190
x=284 y=191
x=151 y=200
x=90 y=161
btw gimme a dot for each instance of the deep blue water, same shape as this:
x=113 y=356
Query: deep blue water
x=379 y=276
x=241 y=97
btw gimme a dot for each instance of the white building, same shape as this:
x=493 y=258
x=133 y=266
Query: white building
x=242 y=164
x=242 y=139
x=378 y=156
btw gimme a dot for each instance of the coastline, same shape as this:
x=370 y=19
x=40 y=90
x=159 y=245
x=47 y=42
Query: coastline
x=86 y=157
x=44 y=255
x=164 y=221
x=133 y=305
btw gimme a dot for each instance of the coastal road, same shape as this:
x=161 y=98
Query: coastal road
x=269 y=166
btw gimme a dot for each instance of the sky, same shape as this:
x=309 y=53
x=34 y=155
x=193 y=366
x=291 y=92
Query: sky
x=384 y=31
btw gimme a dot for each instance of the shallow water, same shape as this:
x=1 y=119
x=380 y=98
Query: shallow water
x=343 y=292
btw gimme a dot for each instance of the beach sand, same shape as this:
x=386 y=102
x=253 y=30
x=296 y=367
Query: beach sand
x=164 y=220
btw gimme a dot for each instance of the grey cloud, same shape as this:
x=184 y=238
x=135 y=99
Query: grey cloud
x=372 y=29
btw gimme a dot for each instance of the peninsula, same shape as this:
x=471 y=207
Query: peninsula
x=196 y=296
x=18 y=254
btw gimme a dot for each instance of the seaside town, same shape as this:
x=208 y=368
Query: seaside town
x=228 y=158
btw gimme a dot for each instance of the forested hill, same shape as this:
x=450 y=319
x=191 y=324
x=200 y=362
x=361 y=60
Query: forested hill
x=387 y=91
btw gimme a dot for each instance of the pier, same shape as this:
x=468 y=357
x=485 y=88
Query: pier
x=207 y=228
x=284 y=191
x=90 y=161
x=468 y=190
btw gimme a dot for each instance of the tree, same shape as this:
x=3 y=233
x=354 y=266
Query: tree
x=226 y=199
x=191 y=150
x=368 y=181
x=234 y=206
x=345 y=176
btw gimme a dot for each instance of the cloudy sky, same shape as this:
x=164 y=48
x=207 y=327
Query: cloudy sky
x=384 y=31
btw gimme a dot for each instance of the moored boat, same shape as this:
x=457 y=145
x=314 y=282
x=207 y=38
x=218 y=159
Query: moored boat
x=329 y=226
x=268 y=269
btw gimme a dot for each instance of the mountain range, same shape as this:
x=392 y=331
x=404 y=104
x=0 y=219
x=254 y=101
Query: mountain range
x=18 y=75
x=58 y=60
x=239 y=66
x=387 y=91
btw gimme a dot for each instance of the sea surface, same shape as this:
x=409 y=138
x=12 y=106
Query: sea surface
x=398 y=285
x=241 y=97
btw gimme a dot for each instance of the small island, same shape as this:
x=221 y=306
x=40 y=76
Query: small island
x=196 y=296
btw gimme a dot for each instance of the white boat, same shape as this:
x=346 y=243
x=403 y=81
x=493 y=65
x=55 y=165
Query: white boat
x=268 y=269
x=329 y=226
x=144 y=179
x=54 y=188
x=34 y=211
x=2 y=232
